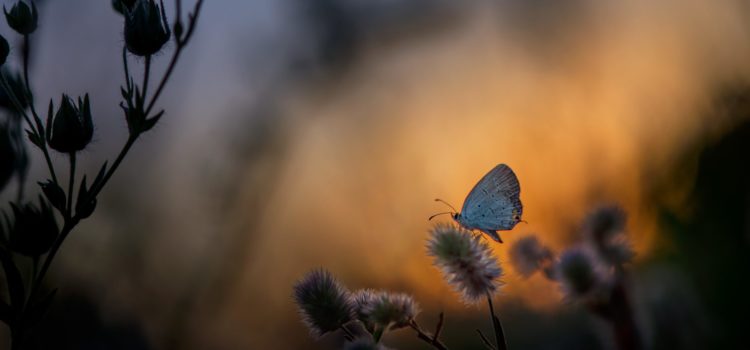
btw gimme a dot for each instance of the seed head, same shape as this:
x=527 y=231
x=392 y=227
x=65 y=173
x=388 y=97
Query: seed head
x=384 y=309
x=324 y=304
x=528 y=255
x=467 y=262
x=580 y=273
x=604 y=229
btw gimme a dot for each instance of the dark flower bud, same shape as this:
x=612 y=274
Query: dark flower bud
x=72 y=128
x=4 y=50
x=34 y=229
x=146 y=28
x=54 y=194
x=123 y=6
x=8 y=155
x=22 y=18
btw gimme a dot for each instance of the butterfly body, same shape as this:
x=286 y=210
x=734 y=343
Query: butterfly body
x=493 y=204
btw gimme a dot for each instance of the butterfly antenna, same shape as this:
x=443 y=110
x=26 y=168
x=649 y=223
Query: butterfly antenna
x=446 y=212
x=446 y=203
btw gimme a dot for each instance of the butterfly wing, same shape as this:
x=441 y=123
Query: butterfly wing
x=493 y=204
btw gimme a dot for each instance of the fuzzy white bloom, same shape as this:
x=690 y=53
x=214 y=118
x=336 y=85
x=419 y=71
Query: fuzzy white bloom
x=466 y=261
x=324 y=304
x=384 y=309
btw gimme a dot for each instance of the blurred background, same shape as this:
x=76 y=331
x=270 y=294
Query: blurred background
x=304 y=134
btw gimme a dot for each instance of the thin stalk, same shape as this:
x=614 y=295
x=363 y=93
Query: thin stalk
x=118 y=160
x=71 y=184
x=146 y=71
x=349 y=334
x=67 y=228
x=426 y=337
x=497 y=326
x=173 y=62
x=164 y=79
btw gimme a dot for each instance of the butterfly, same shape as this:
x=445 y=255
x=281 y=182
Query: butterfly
x=492 y=205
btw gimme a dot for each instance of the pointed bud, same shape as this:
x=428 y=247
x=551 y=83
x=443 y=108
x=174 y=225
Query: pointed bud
x=22 y=18
x=72 y=127
x=146 y=28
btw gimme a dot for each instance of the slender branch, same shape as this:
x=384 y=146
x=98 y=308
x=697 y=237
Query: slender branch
x=67 y=227
x=71 y=184
x=164 y=79
x=173 y=62
x=349 y=335
x=426 y=337
x=146 y=71
x=113 y=168
x=439 y=327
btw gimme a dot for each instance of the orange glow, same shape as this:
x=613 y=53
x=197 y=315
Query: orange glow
x=426 y=120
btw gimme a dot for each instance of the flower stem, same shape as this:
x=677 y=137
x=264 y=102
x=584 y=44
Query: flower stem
x=497 y=326
x=426 y=337
x=71 y=184
x=146 y=71
x=118 y=160
x=347 y=332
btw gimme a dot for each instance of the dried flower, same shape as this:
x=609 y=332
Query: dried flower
x=604 y=229
x=72 y=128
x=604 y=223
x=528 y=255
x=324 y=304
x=146 y=28
x=22 y=18
x=384 y=309
x=579 y=273
x=362 y=301
x=466 y=261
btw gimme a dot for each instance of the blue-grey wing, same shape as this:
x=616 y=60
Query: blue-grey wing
x=494 y=203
